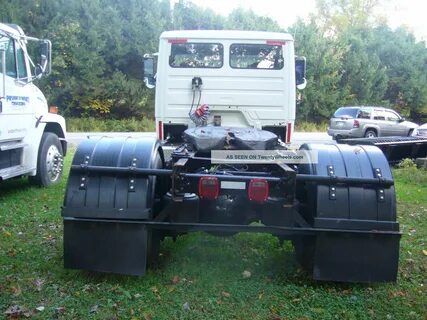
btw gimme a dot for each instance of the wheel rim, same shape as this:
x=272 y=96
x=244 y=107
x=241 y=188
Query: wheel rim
x=370 y=135
x=54 y=163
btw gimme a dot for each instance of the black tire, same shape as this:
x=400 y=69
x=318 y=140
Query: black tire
x=371 y=133
x=410 y=132
x=49 y=161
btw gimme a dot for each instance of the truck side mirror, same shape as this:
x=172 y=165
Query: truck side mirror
x=300 y=64
x=149 y=72
x=44 y=64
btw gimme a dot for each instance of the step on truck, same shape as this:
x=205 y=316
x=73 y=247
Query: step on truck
x=32 y=139
x=225 y=109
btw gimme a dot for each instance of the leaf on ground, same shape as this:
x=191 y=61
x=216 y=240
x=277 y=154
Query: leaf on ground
x=60 y=310
x=246 y=274
x=225 y=294
x=171 y=289
x=114 y=288
x=39 y=284
x=40 y=308
x=186 y=306
x=147 y=316
x=175 y=279
x=425 y=252
x=16 y=291
x=156 y=292
x=16 y=311
x=94 y=309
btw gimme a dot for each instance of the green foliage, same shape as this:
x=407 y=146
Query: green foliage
x=90 y=124
x=304 y=126
x=242 y=19
x=98 y=48
x=324 y=62
x=407 y=163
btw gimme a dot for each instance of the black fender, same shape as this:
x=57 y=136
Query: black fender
x=100 y=195
x=367 y=206
x=101 y=209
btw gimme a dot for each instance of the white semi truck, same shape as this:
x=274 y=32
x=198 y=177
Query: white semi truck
x=32 y=139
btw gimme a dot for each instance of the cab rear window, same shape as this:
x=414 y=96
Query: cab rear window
x=196 y=55
x=256 y=56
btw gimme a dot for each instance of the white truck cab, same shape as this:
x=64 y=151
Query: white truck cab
x=226 y=78
x=32 y=140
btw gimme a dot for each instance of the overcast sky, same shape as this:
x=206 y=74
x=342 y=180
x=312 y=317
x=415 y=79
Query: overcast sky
x=410 y=13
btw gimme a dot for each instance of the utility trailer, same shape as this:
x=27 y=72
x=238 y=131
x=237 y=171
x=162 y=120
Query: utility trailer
x=395 y=149
x=124 y=196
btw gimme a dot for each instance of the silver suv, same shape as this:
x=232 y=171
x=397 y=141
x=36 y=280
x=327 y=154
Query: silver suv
x=368 y=122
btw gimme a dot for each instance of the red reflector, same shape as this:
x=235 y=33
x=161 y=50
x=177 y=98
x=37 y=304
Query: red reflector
x=208 y=188
x=288 y=132
x=276 y=42
x=174 y=41
x=160 y=128
x=258 y=190
x=53 y=109
x=356 y=124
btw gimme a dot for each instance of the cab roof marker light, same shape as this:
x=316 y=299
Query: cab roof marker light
x=177 y=41
x=276 y=42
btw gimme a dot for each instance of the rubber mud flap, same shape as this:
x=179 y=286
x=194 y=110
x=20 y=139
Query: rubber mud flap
x=105 y=247
x=356 y=257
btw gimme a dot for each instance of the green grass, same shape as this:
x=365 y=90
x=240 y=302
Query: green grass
x=199 y=269
x=110 y=125
x=305 y=126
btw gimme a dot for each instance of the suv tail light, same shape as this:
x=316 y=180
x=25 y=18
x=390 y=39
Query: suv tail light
x=258 y=190
x=208 y=188
x=356 y=124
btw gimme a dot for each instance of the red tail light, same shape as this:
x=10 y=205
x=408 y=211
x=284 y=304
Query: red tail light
x=258 y=190
x=356 y=124
x=208 y=188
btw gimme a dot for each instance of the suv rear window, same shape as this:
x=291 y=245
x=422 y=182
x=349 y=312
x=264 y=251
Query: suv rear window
x=346 y=112
x=196 y=55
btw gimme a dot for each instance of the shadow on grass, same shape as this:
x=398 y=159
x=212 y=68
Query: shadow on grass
x=14 y=185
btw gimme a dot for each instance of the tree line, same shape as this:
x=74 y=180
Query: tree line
x=98 y=47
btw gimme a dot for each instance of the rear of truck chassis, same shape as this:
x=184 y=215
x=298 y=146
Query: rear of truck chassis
x=122 y=199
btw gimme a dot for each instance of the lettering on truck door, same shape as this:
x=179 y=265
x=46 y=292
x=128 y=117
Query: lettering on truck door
x=16 y=115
